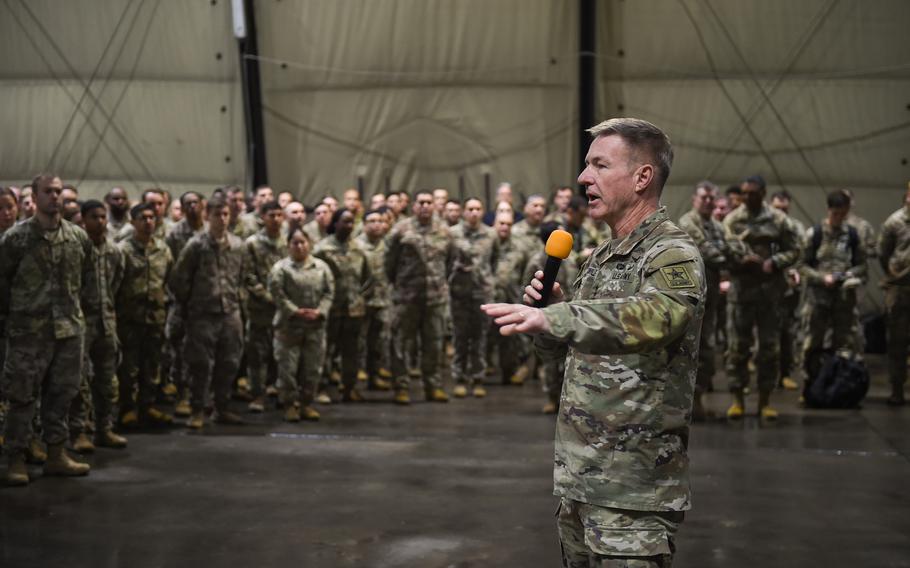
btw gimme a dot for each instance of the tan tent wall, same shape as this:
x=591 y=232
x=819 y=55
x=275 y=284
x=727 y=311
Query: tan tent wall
x=419 y=93
x=162 y=108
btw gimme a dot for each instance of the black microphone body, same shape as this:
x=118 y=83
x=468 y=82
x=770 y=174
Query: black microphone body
x=549 y=277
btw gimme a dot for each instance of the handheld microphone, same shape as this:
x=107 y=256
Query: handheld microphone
x=559 y=246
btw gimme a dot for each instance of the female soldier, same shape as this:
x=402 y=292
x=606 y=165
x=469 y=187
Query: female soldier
x=352 y=276
x=302 y=288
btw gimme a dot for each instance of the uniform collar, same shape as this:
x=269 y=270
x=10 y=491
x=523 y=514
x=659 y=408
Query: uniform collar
x=644 y=229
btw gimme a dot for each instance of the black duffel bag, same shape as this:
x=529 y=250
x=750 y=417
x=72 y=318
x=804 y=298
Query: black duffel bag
x=841 y=381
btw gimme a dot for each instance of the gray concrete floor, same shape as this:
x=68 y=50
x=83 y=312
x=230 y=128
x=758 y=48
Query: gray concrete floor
x=465 y=484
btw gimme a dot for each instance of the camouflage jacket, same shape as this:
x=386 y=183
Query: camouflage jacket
x=708 y=235
x=41 y=278
x=526 y=235
x=208 y=276
x=261 y=253
x=510 y=271
x=475 y=254
x=866 y=234
x=631 y=335
x=351 y=271
x=769 y=234
x=294 y=285
x=142 y=296
x=99 y=291
x=314 y=232
x=894 y=248
x=417 y=261
x=179 y=234
x=833 y=255
x=380 y=294
x=247 y=225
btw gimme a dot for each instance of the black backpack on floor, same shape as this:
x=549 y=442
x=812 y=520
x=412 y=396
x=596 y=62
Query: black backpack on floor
x=842 y=381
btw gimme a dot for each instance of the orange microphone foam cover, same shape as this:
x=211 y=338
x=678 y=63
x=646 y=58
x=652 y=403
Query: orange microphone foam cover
x=559 y=245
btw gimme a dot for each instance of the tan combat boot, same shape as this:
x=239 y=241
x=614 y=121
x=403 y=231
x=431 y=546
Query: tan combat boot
x=736 y=410
x=83 y=444
x=437 y=395
x=402 y=397
x=765 y=411
x=310 y=413
x=292 y=414
x=520 y=375
x=479 y=391
x=107 y=438
x=35 y=453
x=17 y=474
x=196 y=420
x=183 y=408
x=380 y=384
x=59 y=463
x=460 y=391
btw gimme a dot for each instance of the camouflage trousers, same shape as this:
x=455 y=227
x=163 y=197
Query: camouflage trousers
x=410 y=322
x=172 y=357
x=375 y=348
x=508 y=352
x=601 y=537
x=897 y=302
x=94 y=404
x=553 y=375
x=141 y=345
x=707 y=342
x=300 y=359
x=469 y=336
x=835 y=317
x=262 y=369
x=40 y=367
x=742 y=318
x=212 y=351
x=790 y=331
x=343 y=334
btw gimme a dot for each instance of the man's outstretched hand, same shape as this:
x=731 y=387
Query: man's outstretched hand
x=519 y=318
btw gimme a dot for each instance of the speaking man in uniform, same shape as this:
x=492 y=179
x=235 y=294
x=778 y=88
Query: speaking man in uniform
x=630 y=339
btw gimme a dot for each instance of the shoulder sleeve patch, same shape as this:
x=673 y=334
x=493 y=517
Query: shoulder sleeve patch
x=677 y=276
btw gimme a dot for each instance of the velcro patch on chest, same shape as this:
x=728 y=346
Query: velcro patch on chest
x=677 y=277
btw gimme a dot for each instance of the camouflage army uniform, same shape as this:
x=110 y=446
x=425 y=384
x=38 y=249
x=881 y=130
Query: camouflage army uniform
x=630 y=337
x=708 y=235
x=754 y=297
x=247 y=225
x=351 y=272
x=417 y=260
x=790 y=320
x=101 y=347
x=376 y=323
x=894 y=257
x=552 y=371
x=41 y=278
x=470 y=285
x=300 y=344
x=526 y=235
x=865 y=303
x=141 y=313
x=207 y=283
x=127 y=231
x=509 y=285
x=262 y=252
x=314 y=232
x=833 y=308
x=175 y=327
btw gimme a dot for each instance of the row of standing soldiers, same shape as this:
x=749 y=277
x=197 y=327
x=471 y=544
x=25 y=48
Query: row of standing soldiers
x=763 y=265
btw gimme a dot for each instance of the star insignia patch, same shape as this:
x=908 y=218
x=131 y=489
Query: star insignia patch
x=677 y=277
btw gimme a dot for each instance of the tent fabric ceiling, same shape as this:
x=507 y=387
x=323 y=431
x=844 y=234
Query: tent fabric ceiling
x=122 y=92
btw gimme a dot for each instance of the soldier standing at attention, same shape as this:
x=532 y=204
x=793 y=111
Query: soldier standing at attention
x=418 y=256
x=834 y=265
x=263 y=250
x=9 y=212
x=894 y=257
x=118 y=205
x=708 y=235
x=43 y=264
x=376 y=325
x=206 y=283
x=351 y=272
x=318 y=227
x=790 y=321
x=100 y=351
x=155 y=198
x=510 y=278
x=141 y=313
x=471 y=284
x=527 y=231
x=248 y=224
x=303 y=289
x=630 y=340
x=763 y=244
x=192 y=224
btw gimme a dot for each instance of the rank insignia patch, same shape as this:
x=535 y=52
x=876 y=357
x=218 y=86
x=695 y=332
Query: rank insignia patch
x=677 y=277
